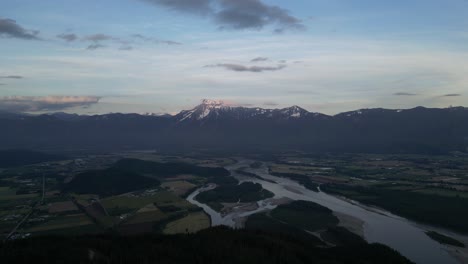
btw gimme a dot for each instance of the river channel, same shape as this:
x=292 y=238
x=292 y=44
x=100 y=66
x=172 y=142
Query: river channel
x=403 y=235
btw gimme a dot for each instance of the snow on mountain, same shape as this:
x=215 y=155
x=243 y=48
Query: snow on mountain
x=294 y=112
x=202 y=111
x=214 y=109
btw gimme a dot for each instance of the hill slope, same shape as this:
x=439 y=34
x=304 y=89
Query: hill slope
x=216 y=245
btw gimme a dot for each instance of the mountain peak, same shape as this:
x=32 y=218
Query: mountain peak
x=203 y=110
x=212 y=102
x=294 y=111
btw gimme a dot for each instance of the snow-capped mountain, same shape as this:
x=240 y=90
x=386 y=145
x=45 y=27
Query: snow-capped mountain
x=216 y=110
x=202 y=111
x=221 y=126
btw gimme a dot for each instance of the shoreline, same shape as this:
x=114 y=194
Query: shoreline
x=351 y=223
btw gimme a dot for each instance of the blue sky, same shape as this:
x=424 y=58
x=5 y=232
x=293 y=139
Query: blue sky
x=163 y=56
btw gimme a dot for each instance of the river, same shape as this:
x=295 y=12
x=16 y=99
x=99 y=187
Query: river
x=405 y=236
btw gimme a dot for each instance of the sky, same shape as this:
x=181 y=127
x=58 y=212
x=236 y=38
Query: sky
x=163 y=56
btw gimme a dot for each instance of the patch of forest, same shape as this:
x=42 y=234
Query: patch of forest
x=215 y=245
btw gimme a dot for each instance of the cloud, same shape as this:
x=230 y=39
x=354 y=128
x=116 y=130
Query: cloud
x=248 y=14
x=259 y=59
x=198 y=7
x=68 y=37
x=95 y=46
x=9 y=28
x=46 y=103
x=2 y=84
x=451 y=95
x=155 y=40
x=141 y=37
x=242 y=68
x=126 y=47
x=17 y=77
x=236 y=14
x=404 y=94
x=168 y=42
x=99 y=37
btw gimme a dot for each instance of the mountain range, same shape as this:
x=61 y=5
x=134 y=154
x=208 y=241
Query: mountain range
x=215 y=125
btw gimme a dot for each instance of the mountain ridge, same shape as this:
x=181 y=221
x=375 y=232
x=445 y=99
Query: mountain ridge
x=220 y=126
x=213 y=105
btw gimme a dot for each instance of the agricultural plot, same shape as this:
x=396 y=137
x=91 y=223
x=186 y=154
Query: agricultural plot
x=8 y=194
x=62 y=207
x=137 y=201
x=180 y=188
x=146 y=217
x=61 y=223
x=192 y=223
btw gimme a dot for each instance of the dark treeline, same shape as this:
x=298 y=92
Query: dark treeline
x=244 y=193
x=448 y=212
x=109 y=182
x=216 y=245
x=130 y=175
x=168 y=169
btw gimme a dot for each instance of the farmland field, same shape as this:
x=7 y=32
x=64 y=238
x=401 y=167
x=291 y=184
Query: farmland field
x=192 y=223
x=62 y=222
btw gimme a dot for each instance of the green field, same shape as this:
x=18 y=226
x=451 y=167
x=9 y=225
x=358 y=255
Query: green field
x=71 y=231
x=134 y=202
x=192 y=223
x=444 y=192
x=146 y=217
x=62 y=222
x=7 y=194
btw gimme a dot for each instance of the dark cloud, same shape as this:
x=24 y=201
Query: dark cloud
x=68 y=37
x=99 y=37
x=95 y=46
x=451 y=95
x=126 y=47
x=242 y=68
x=259 y=59
x=47 y=103
x=270 y=104
x=247 y=14
x=2 y=84
x=278 y=31
x=9 y=28
x=17 y=77
x=404 y=94
x=199 y=7
x=236 y=14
